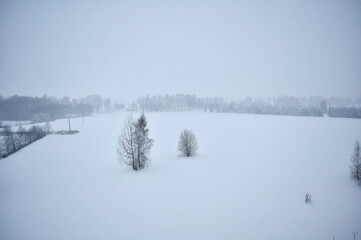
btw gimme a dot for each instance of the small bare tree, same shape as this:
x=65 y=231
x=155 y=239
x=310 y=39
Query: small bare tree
x=187 y=144
x=126 y=146
x=355 y=166
x=308 y=198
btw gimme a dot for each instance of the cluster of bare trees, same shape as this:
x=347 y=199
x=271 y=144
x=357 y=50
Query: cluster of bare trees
x=43 y=109
x=11 y=142
x=355 y=167
x=134 y=144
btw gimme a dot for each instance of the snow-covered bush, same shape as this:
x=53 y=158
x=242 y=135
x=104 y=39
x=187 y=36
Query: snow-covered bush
x=36 y=132
x=187 y=144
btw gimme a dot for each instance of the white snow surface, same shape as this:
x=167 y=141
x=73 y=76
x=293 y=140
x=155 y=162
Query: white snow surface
x=248 y=181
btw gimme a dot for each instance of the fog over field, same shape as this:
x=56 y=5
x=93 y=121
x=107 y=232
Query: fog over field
x=126 y=49
x=180 y=119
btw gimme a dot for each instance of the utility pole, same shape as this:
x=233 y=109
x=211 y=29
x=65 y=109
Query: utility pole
x=69 y=124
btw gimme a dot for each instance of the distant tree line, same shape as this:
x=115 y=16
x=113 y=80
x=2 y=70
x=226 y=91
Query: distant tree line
x=11 y=142
x=282 y=105
x=348 y=112
x=42 y=109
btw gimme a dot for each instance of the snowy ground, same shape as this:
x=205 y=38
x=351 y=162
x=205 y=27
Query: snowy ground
x=248 y=181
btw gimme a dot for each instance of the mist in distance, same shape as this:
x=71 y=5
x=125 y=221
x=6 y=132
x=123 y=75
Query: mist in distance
x=128 y=49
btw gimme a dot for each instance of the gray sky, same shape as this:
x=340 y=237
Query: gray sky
x=125 y=49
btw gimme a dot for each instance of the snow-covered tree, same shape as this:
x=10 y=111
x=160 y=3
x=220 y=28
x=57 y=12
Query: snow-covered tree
x=355 y=166
x=134 y=143
x=187 y=143
x=142 y=140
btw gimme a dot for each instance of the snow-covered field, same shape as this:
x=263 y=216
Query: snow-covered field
x=248 y=181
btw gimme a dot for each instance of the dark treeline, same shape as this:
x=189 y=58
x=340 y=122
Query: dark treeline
x=347 y=112
x=42 y=109
x=283 y=105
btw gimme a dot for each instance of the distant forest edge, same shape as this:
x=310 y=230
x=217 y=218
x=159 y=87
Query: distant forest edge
x=282 y=105
x=43 y=109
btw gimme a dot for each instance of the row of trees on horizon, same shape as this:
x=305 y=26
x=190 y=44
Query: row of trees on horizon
x=282 y=105
x=43 y=109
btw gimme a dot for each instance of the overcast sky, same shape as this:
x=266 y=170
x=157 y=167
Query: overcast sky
x=125 y=49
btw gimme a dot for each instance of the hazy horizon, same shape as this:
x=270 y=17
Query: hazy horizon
x=124 y=50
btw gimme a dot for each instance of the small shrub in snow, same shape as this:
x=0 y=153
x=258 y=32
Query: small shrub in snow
x=308 y=198
x=36 y=132
x=187 y=143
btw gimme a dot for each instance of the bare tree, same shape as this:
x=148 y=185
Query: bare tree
x=134 y=143
x=126 y=145
x=187 y=143
x=355 y=166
